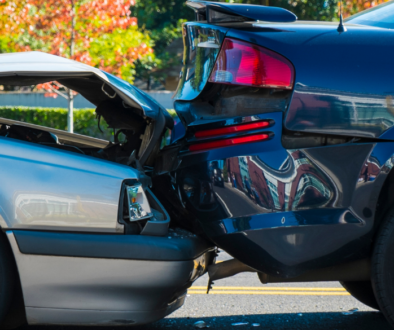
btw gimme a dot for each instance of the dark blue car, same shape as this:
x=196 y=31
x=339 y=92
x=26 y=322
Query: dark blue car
x=300 y=117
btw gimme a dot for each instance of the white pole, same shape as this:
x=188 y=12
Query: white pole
x=70 y=116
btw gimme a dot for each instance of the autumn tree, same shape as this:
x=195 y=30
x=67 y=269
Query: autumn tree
x=100 y=33
x=352 y=7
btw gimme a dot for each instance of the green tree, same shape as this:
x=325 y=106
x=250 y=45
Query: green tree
x=316 y=10
x=158 y=14
x=313 y=10
x=163 y=19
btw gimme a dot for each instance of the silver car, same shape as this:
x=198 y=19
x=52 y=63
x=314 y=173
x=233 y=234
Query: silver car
x=71 y=207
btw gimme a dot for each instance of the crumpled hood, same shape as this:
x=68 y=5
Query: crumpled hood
x=31 y=68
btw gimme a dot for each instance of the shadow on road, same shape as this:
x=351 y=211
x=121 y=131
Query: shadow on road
x=358 y=320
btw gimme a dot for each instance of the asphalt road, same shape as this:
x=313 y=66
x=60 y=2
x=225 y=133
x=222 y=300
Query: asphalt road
x=243 y=299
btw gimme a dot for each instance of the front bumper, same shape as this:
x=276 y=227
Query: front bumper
x=86 y=289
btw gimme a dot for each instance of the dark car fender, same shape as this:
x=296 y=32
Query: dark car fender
x=290 y=241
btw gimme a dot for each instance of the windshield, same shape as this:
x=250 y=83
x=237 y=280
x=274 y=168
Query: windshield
x=380 y=16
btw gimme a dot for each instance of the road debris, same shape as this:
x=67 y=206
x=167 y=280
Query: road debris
x=239 y=324
x=200 y=325
x=350 y=312
x=255 y=324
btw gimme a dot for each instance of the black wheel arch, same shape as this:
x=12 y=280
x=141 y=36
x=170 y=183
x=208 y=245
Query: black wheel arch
x=385 y=201
x=16 y=313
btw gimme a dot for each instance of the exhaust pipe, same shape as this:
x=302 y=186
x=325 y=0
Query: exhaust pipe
x=353 y=271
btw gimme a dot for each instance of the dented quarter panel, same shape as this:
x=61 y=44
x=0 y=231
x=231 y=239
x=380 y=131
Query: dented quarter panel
x=285 y=212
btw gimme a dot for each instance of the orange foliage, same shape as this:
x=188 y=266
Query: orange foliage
x=50 y=21
x=351 y=7
x=11 y=15
x=68 y=27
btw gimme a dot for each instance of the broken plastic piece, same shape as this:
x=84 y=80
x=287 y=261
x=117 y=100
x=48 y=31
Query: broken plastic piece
x=255 y=324
x=200 y=325
x=350 y=312
x=145 y=180
x=209 y=286
x=239 y=324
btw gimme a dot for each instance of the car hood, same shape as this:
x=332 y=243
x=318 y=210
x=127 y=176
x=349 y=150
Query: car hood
x=30 y=68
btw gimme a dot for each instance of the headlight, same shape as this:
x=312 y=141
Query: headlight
x=138 y=203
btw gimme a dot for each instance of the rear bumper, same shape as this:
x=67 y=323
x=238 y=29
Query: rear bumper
x=313 y=208
x=103 y=290
x=285 y=212
x=288 y=244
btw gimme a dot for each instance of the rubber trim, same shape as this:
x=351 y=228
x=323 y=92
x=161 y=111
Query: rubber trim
x=134 y=247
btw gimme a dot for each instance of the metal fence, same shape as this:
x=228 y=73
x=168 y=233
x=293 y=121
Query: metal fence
x=39 y=100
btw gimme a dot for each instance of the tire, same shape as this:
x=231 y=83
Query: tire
x=16 y=316
x=382 y=267
x=363 y=292
x=7 y=276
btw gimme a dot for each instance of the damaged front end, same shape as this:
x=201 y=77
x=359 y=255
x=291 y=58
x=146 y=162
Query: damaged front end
x=93 y=203
x=138 y=123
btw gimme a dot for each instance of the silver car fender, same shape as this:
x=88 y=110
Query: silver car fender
x=44 y=188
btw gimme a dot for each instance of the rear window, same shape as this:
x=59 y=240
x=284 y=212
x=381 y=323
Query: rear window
x=380 y=16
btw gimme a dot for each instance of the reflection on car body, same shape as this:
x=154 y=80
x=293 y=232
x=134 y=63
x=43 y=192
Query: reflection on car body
x=291 y=187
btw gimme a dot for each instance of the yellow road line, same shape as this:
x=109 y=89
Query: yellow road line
x=271 y=288
x=289 y=293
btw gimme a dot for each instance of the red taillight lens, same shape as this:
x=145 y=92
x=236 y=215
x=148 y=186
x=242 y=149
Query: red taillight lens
x=228 y=142
x=241 y=63
x=232 y=129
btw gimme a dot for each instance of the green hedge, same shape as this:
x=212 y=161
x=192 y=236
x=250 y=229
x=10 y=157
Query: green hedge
x=85 y=121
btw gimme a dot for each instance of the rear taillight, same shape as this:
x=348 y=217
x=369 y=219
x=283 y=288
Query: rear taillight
x=242 y=63
x=232 y=129
x=228 y=142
